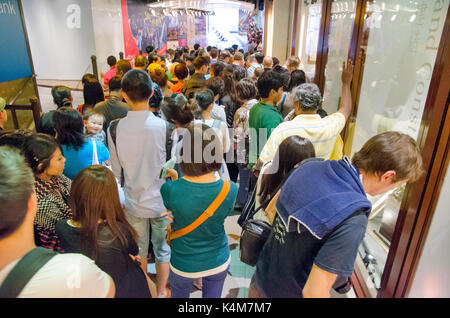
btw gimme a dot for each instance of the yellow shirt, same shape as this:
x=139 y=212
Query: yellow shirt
x=324 y=133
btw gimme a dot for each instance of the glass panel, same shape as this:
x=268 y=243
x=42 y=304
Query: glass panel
x=402 y=39
x=341 y=29
x=311 y=15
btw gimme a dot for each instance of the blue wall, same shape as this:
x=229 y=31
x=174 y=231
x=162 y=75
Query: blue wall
x=14 y=59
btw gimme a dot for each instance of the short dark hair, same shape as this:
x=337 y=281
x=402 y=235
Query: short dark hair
x=38 y=150
x=259 y=57
x=70 y=127
x=391 y=151
x=216 y=85
x=190 y=165
x=217 y=68
x=224 y=54
x=137 y=85
x=16 y=188
x=149 y=49
x=208 y=48
x=111 y=61
x=238 y=56
x=188 y=57
x=204 y=98
x=115 y=83
x=200 y=61
x=267 y=81
x=214 y=53
x=181 y=71
x=152 y=58
x=196 y=46
x=122 y=67
x=246 y=89
x=276 y=61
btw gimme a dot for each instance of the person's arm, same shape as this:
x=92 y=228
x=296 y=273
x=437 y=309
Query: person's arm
x=346 y=99
x=112 y=289
x=226 y=137
x=336 y=257
x=115 y=162
x=319 y=283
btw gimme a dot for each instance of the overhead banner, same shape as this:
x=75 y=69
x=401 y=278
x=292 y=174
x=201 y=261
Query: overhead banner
x=142 y=28
x=14 y=59
x=61 y=35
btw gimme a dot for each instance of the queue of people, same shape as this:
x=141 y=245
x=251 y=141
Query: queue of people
x=186 y=137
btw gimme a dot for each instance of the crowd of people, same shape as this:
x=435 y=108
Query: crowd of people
x=161 y=152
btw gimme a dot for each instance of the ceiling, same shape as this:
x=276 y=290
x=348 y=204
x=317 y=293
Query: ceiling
x=203 y=4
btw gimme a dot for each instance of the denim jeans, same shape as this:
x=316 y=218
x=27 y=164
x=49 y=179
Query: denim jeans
x=180 y=287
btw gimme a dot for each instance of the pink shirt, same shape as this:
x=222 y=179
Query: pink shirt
x=110 y=74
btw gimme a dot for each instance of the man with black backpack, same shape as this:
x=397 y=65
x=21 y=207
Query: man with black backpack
x=322 y=215
x=27 y=271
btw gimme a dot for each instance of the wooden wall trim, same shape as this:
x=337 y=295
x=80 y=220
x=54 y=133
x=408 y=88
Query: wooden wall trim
x=322 y=46
x=295 y=28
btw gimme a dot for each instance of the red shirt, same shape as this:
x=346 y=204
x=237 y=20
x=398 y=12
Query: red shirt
x=110 y=74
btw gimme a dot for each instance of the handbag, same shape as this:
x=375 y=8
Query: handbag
x=95 y=160
x=209 y=212
x=256 y=232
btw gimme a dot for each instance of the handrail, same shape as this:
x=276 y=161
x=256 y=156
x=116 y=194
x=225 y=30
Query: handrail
x=49 y=86
x=21 y=90
x=35 y=107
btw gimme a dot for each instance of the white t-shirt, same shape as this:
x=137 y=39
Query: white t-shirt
x=65 y=276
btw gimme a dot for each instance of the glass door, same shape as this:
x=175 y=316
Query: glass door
x=310 y=20
x=341 y=30
x=399 y=45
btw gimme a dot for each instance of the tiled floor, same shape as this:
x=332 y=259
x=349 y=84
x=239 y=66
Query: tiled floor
x=240 y=274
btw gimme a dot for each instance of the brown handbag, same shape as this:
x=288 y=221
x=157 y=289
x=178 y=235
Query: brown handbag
x=209 y=212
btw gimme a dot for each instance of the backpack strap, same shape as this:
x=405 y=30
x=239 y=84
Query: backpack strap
x=206 y=215
x=169 y=142
x=282 y=104
x=113 y=132
x=24 y=271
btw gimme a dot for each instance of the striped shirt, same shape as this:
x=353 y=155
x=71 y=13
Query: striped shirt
x=322 y=132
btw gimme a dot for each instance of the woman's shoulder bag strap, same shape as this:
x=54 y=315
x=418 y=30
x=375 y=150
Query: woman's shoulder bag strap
x=209 y=212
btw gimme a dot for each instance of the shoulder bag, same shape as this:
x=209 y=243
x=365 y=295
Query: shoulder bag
x=209 y=212
x=256 y=232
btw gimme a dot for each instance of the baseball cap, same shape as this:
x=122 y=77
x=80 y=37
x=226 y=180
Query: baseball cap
x=2 y=104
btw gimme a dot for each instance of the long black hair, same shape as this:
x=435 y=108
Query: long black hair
x=292 y=151
x=92 y=93
x=69 y=127
x=298 y=78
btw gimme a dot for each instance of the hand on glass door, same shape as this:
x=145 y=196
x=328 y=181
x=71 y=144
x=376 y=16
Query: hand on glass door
x=347 y=72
